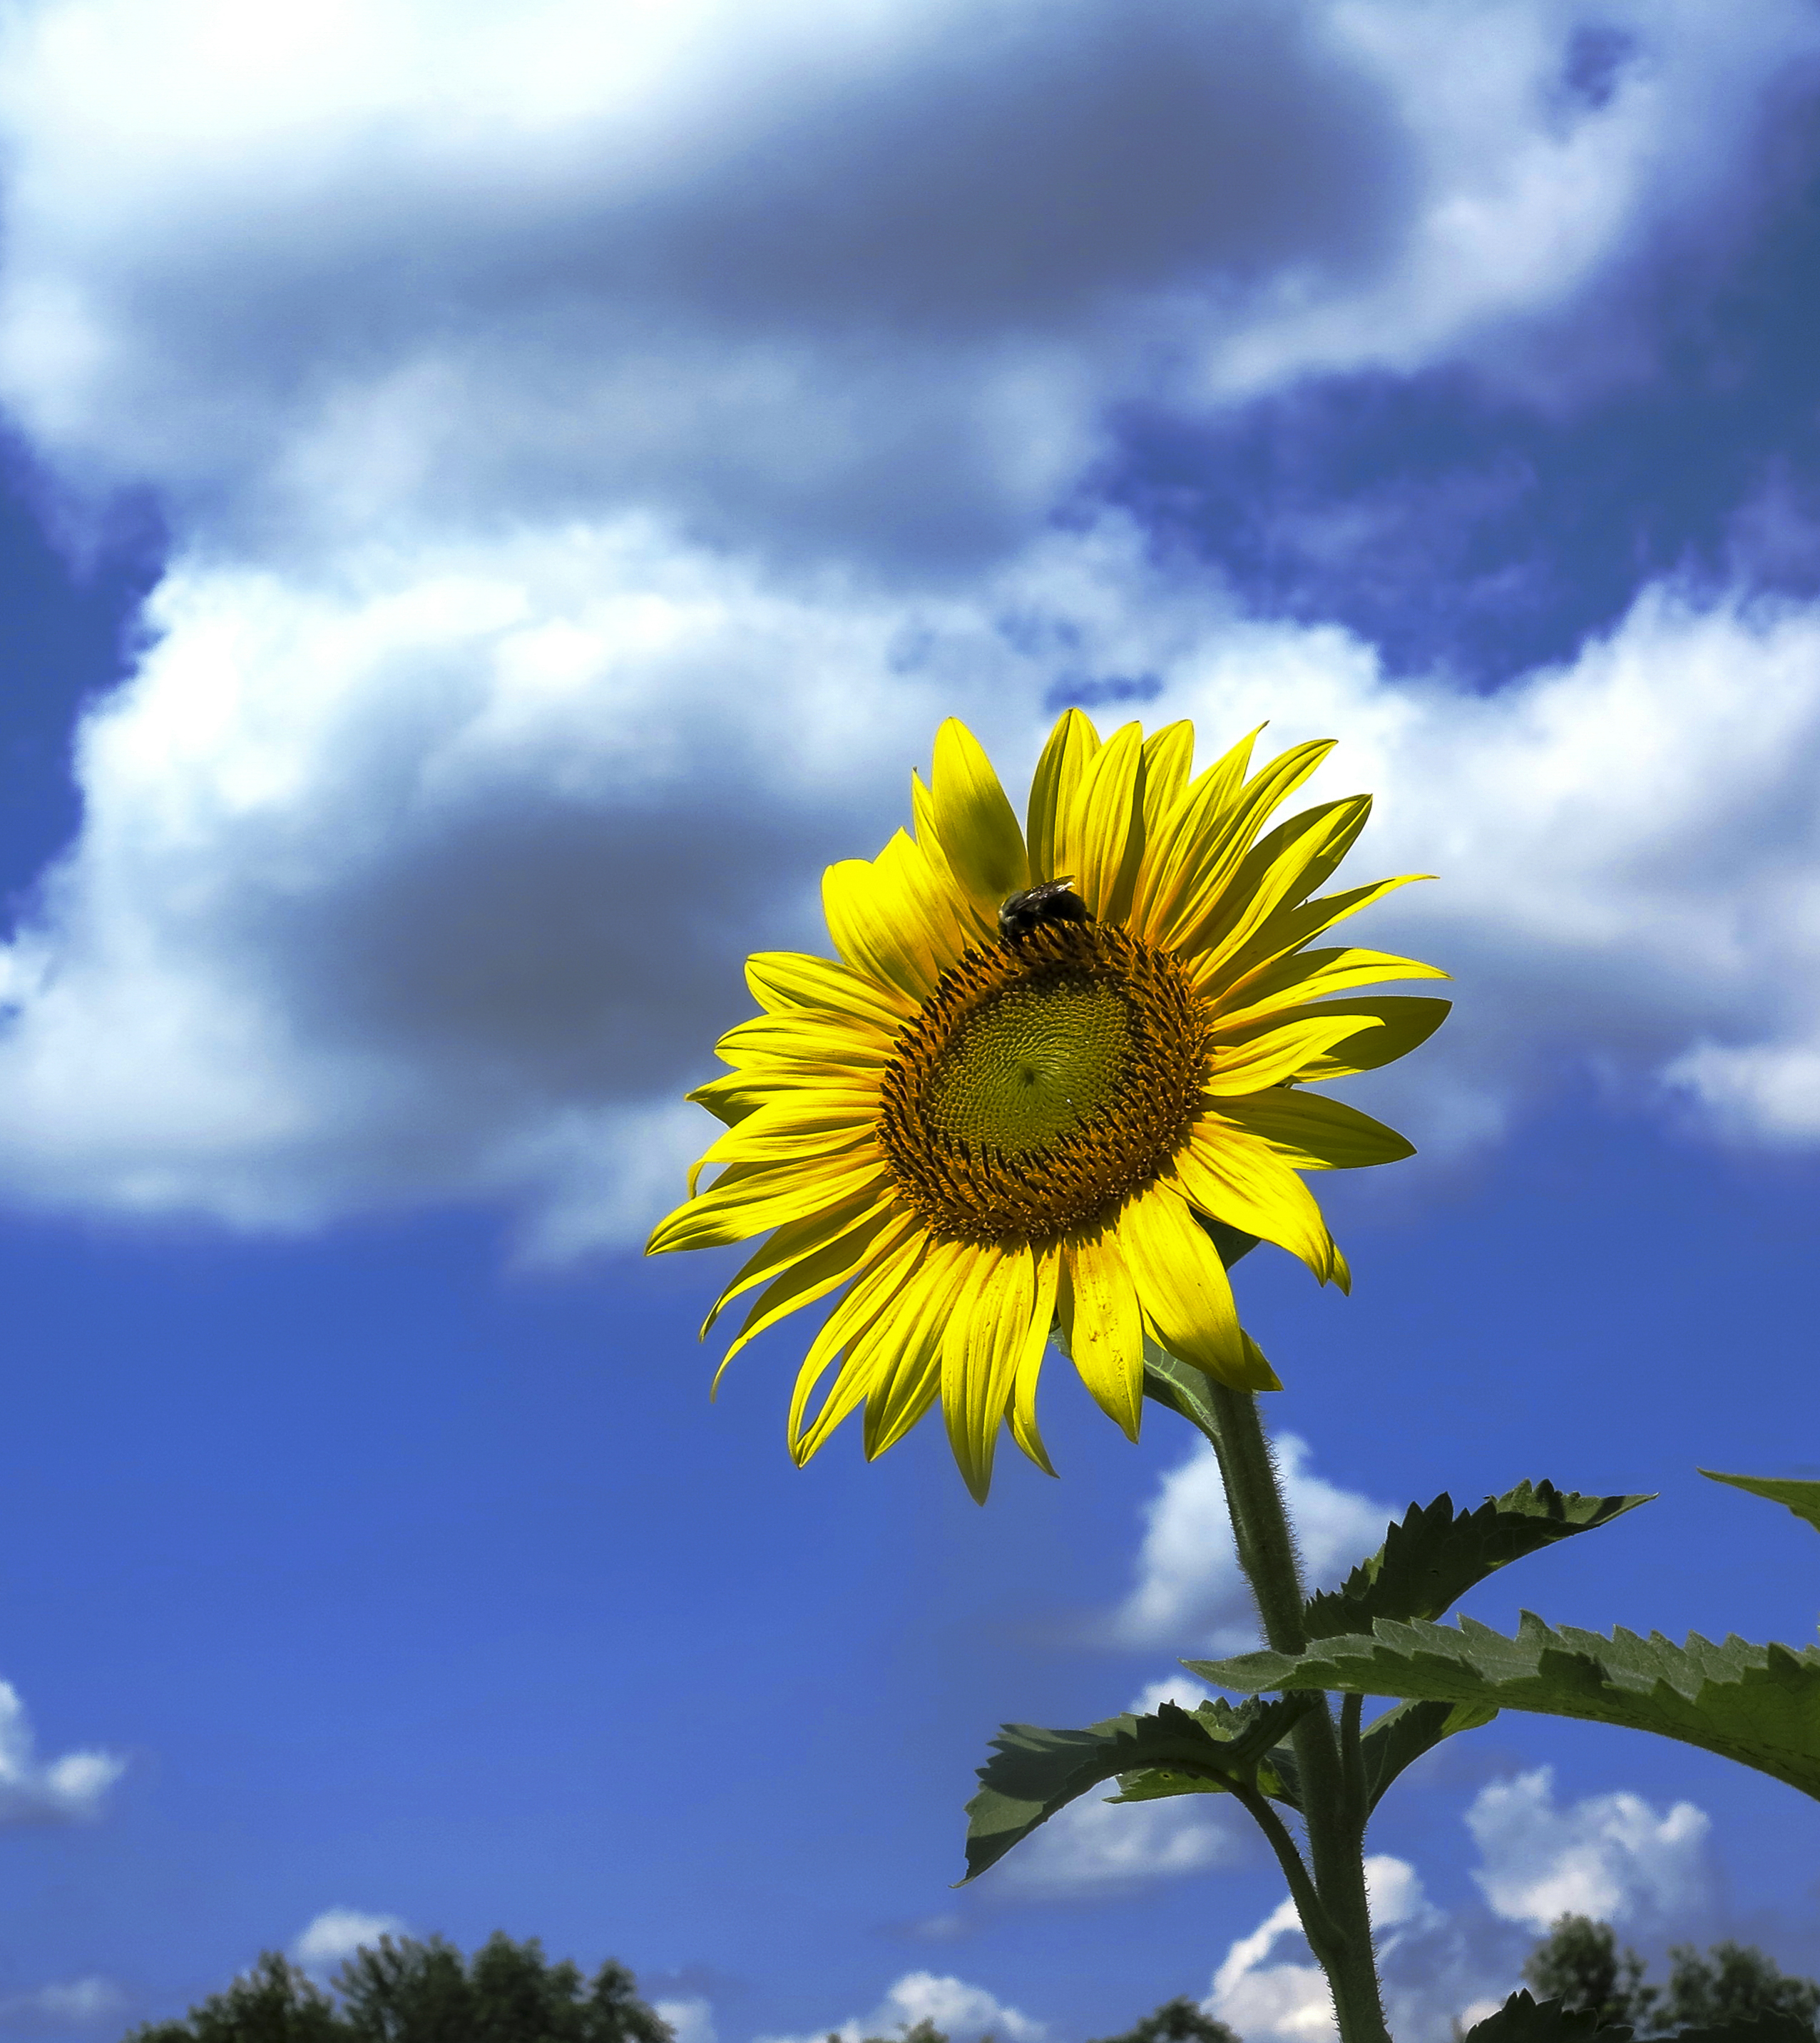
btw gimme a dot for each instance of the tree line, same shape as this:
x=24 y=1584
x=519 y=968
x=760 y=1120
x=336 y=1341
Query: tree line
x=408 y=1990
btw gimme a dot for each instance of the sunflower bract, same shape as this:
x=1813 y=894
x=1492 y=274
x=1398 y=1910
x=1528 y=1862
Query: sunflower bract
x=983 y=1141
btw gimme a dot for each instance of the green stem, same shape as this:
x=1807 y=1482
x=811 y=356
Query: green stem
x=1352 y=1751
x=1332 y=1790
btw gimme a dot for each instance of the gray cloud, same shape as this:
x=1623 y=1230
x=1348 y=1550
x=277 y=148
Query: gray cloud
x=596 y=462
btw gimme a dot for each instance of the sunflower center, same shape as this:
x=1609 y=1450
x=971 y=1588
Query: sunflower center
x=1046 y=1079
x=1030 y=1063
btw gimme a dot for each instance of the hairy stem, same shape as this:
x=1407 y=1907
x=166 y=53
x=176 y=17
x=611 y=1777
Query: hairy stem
x=1339 y=1928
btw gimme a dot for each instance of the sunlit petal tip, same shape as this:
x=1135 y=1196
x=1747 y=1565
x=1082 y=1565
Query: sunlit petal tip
x=974 y=824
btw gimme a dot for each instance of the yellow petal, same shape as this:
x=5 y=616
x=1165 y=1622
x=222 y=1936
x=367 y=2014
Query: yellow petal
x=980 y=1352
x=1288 y=929
x=1170 y=850
x=816 y=1275
x=753 y=1141
x=1284 y=1051
x=749 y=1205
x=1182 y=1286
x=891 y=919
x=1168 y=754
x=1103 y=837
x=974 y=823
x=907 y=1384
x=1310 y=1131
x=1387 y=1028
x=1210 y=867
x=1101 y=1327
x=1071 y=744
x=880 y=1290
x=979 y=920
x=1023 y=1413
x=729 y=1098
x=1307 y=975
x=735 y=1094
x=1234 y=1177
x=861 y=1215
x=780 y=980
x=1283 y=870
x=807 y=1037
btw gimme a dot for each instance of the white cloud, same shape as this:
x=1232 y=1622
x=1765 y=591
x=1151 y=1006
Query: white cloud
x=429 y=881
x=1098 y=1846
x=1288 y=2002
x=873 y=274
x=1183 y=1690
x=544 y=608
x=337 y=1934
x=1190 y=1591
x=78 y=2003
x=1528 y=188
x=691 y=2020
x=70 y=1788
x=961 y=2012
x=1612 y=1856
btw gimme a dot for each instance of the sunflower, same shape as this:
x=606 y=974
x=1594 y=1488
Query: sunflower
x=1052 y=1070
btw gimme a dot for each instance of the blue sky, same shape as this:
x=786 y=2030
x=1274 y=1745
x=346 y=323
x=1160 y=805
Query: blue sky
x=493 y=502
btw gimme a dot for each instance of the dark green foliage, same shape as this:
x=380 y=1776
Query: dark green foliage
x=403 y=1991
x=1177 y=2020
x=1033 y=1772
x=1801 y=1498
x=273 y=2003
x=1758 y=1705
x=924 y=2031
x=1733 y=1994
x=1578 y=1964
x=1523 y=2019
x=1431 y=1557
x=1734 y=1982
x=1407 y=1730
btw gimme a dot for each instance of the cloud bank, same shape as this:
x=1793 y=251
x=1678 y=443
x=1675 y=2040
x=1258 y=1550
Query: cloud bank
x=326 y=1940
x=596 y=453
x=964 y=2012
x=1189 y=1590
x=71 y=1788
x=1611 y=1856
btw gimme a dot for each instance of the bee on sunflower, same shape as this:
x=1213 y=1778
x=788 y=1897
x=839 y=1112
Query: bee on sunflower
x=1050 y=1066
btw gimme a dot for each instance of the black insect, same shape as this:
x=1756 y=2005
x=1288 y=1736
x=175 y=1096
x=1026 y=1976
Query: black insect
x=1051 y=901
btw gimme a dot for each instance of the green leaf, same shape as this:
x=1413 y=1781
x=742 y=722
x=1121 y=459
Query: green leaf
x=1773 y=2027
x=1431 y=1558
x=1183 y=1387
x=1758 y=1705
x=1399 y=1738
x=1231 y=1242
x=1272 y=1772
x=1034 y=1772
x=1801 y=1498
x=1523 y=2020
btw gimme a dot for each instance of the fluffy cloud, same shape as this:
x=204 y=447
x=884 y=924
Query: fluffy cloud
x=1288 y=2001
x=79 y=2003
x=337 y=1934
x=1190 y=1591
x=958 y=2010
x=1095 y=1846
x=871 y=276
x=71 y=1788
x=596 y=456
x=692 y=2021
x=429 y=880
x=1611 y=1856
